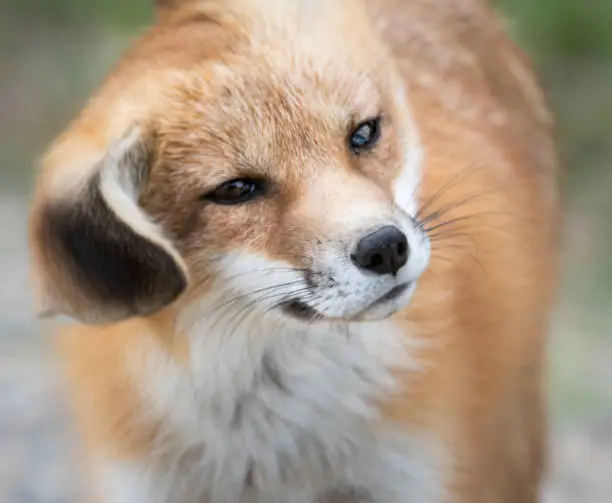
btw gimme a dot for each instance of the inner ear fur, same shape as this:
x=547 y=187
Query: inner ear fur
x=98 y=257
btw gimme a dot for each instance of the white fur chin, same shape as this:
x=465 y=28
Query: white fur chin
x=383 y=311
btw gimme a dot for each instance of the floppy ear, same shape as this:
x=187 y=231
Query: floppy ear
x=97 y=256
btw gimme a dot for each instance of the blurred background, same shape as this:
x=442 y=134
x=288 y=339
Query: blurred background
x=54 y=52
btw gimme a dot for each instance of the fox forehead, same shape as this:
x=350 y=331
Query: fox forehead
x=266 y=108
x=281 y=61
x=271 y=112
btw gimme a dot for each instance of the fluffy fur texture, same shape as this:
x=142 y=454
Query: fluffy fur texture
x=237 y=353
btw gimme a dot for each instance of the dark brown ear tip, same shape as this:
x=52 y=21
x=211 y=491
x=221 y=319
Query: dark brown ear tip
x=169 y=286
x=98 y=260
x=116 y=268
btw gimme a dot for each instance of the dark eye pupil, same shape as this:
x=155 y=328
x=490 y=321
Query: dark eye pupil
x=365 y=135
x=235 y=191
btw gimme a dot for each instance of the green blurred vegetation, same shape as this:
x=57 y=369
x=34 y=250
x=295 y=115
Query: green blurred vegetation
x=76 y=14
x=562 y=29
x=571 y=44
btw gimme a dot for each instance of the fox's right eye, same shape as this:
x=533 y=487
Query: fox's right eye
x=239 y=190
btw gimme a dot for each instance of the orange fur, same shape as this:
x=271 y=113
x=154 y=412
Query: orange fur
x=483 y=304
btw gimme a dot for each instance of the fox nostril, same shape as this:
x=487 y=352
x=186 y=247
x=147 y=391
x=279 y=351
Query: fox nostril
x=376 y=260
x=402 y=248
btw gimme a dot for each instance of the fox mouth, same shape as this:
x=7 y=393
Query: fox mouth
x=303 y=311
x=392 y=294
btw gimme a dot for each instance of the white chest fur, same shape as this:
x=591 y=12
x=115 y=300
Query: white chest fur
x=276 y=413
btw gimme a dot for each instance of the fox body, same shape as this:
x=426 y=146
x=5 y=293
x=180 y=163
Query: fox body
x=310 y=250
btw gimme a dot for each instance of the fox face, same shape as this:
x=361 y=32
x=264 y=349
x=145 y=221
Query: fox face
x=281 y=164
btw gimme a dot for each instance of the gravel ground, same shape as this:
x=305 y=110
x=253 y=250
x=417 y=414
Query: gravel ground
x=37 y=461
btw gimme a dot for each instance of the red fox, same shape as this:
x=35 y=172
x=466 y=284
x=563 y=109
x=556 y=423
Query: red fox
x=310 y=252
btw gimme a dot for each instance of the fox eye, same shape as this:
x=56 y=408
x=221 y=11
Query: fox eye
x=236 y=191
x=365 y=135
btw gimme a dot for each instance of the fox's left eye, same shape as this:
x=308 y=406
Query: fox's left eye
x=365 y=135
x=236 y=191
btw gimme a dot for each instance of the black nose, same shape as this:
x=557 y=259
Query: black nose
x=384 y=251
